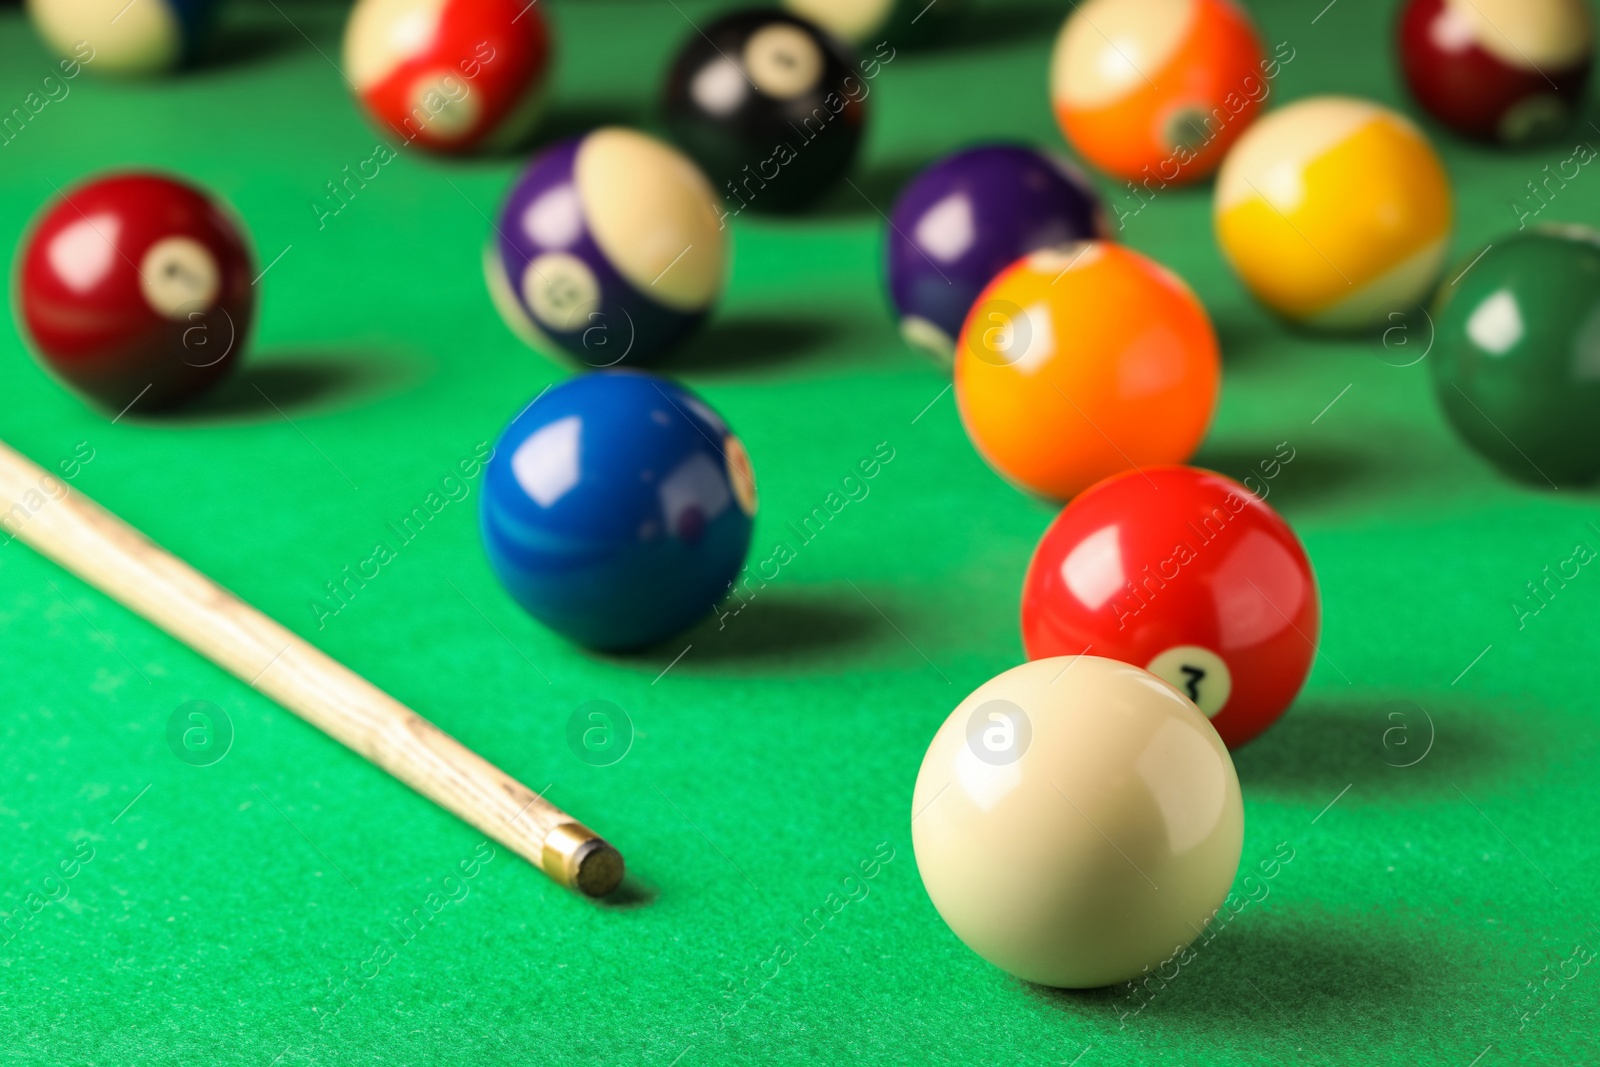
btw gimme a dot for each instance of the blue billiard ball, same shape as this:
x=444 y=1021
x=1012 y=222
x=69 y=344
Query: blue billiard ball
x=617 y=508
x=610 y=247
x=117 y=37
x=969 y=216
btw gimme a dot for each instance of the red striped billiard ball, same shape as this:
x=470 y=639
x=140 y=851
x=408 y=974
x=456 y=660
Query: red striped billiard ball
x=136 y=288
x=1498 y=70
x=449 y=76
x=1189 y=575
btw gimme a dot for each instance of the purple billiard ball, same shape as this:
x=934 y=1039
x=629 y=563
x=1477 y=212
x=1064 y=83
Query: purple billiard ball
x=609 y=247
x=969 y=216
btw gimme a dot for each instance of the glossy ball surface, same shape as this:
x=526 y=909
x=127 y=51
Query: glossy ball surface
x=116 y=37
x=617 y=508
x=1080 y=362
x=966 y=218
x=1156 y=88
x=449 y=76
x=772 y=107
x=1334 y=212
x=1510 y=71
x=1516 y=350
x=608 y=248
x=1076 y=820
x=890 y=23
x=1189 y=575
x=137 y=287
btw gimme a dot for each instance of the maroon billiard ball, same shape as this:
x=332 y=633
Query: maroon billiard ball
x=1510 y=71
x=137 y=288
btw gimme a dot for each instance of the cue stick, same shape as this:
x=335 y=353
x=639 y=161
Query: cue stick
x=67 y=527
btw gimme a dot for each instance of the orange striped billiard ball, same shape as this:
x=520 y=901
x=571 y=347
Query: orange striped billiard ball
x=1157 y=89
x=1082 y=361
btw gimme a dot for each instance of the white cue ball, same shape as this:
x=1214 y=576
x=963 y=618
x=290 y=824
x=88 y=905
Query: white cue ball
x=1075 y=820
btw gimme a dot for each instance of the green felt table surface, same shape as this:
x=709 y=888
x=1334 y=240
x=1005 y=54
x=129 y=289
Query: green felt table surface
x=290 y=904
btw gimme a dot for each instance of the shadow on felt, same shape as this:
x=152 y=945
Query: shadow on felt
x=1390 y=749
x=1284 y=979
x=780 y=625
x=992 y=25
x=234 y=45
x=292 y=383
x=634 y=893
x=1247 y=338
x=752 y=342
x=1325 y=469
x=562 y=121
x=876 y=188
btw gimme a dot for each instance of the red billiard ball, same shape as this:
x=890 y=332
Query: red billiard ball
x=1498 y=70
x=449 y=76
x=136 y=287
x=1189 y=575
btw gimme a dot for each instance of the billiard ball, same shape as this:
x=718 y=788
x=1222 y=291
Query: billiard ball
x=1335 y=212
x=771 y=107
x=965 y=219
x=1076 y=820
x=1082 y=361
x=609 y=248
x=1510 y=71
x=450 y=76
x=1156 y=89
x=888 y=22
x=1514 y=355
x=118 y=37
x=1189 y=575
x=617 y=509
x=137 y=287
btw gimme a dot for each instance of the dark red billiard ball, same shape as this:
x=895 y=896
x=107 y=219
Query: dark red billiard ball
x=1189 y=575
x=1498 y=70
x=136 y=287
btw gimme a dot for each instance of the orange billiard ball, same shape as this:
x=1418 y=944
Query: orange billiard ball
x=1157 y=89
x=1082 y=361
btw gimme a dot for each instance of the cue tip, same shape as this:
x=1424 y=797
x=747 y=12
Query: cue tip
x=581 y=859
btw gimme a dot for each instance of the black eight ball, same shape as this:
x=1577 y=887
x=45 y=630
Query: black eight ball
x=771 y=106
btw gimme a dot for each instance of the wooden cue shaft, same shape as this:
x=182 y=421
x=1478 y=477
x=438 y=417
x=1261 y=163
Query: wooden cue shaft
x=42 y=511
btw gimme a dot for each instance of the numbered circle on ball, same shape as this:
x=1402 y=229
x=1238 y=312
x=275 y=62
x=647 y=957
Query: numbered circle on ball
x=178 y=275
x=1198 y=673
x=783 y=61
x=1534 y=119
x=599 y=733
x=999 y=732
x=920 y=333
x=741 y=474
x=1001 y=332
x=560 y=290
x=1187 y=128
x=442 y=107
x=199 y=733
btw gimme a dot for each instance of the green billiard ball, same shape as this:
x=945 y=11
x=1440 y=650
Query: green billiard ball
x=1516 y=356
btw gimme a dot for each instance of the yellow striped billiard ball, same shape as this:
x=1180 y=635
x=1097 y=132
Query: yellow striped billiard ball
x=1334 y=212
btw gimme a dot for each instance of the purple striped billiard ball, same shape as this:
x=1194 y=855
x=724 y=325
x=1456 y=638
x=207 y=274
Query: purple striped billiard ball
x=609 y=247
